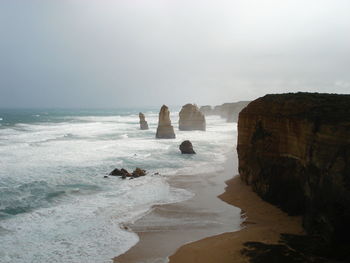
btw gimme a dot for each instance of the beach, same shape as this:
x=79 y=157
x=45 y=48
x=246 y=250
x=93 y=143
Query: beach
x=264 y=223
x=167 y=227
x=260 y=222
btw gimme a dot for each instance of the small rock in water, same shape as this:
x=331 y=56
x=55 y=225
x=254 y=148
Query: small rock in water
x=124 y=173
x=186 y=147
x=106 y=176
x=138 y=172
x=116 y=172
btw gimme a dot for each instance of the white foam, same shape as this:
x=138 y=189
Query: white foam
x=86 y=229
x=83 y=226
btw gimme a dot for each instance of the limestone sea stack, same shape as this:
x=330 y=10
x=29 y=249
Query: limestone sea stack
x=143 y=122
x=294 y=150
x=165 y=130
x=191 y=118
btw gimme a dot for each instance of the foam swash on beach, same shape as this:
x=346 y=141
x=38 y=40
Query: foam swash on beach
x=55 y=205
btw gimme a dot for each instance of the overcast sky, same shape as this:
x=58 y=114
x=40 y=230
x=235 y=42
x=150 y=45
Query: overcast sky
x=120 y=53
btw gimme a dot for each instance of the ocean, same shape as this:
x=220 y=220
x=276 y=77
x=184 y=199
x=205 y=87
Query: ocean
x=56 y=205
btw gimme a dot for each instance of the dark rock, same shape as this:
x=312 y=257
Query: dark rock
x=186 y=147
x=138 y=172
x=106 y=176
x=294 y=150
x=116 y=172
x=125 y=174
x=295 y=249
x=122 y=172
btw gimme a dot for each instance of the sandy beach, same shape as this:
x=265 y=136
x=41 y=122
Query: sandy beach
x=264 y=223
x=212 y=226
x=168 y=227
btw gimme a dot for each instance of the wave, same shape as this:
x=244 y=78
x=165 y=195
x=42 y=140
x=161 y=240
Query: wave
x=47 y=191
x=100 y=237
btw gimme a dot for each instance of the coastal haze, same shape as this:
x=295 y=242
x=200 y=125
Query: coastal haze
x=103 y=156
x=141 y=53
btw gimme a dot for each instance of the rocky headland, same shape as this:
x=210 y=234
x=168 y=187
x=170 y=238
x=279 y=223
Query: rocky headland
x=228 y=111
x=165 y=130
x=191 y=118
x=294 y=151
x=143 y=122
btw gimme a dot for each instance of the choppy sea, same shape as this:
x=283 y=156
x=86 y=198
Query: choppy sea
x=56 y=205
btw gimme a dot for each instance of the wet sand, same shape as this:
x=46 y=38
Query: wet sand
x=167 y=227
x=205 y=229
x=264 y=223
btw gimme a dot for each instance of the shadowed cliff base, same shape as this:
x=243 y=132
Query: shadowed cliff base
x=295 y=249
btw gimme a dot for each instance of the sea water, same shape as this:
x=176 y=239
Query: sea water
x=56 y=205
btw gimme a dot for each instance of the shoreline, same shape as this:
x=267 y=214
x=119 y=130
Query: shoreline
x=264 y=223
x=167 y=227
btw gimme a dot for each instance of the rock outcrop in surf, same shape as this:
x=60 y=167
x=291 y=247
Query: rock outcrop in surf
x=165 y=130
x=294 y=150
x=143 y=122
x=123 y=173
x=191 y=118
x=186 y=147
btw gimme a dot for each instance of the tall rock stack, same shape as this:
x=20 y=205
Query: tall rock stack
x=165 y=130
x=294 y=150
x=143 y=122
x=191 y=118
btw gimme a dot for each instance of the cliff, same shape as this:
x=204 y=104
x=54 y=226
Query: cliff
x=191 y=118
x=228 y=111
x=294 y=150
x=206 y=110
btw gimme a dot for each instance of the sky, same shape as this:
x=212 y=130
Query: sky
x=128 y=53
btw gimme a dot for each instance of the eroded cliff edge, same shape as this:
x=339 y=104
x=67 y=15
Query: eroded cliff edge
x=294 y=150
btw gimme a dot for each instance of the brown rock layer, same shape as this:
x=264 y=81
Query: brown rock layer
x=143 y=122
x=294 y=150
x=191 y=118
x=165 y=130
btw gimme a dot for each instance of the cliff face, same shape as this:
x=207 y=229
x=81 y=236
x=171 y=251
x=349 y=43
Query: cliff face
x=294 y=150
x=228 y=111
x=231 y=110
x=191 y=118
